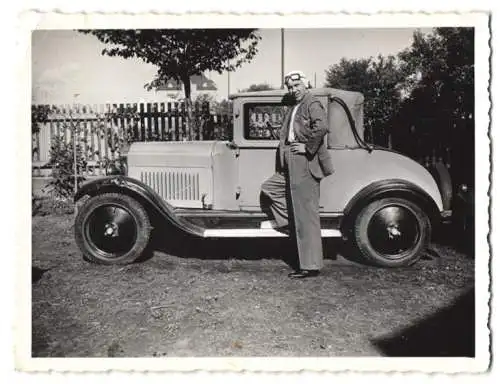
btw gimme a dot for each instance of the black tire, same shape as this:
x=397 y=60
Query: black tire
x=392 y=232
x=112 y=229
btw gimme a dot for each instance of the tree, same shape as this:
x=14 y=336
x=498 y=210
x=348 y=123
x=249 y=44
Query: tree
x=444 y=62
x=204 y=98
x=379 y=80
x=39 y=115
x=422 y=99
x=442 y=93
x=182 y=53
x=352 y=75
x=257 y=87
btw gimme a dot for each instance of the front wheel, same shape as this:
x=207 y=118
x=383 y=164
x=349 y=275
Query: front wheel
x=112 y=229
x=392 y=232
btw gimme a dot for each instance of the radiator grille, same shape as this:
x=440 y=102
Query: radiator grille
x=174 y=185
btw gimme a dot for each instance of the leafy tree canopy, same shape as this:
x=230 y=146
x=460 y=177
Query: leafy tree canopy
x=182 y=53
x=422 y=100
x=39 y=115
x=379 y=80
x=432 y=79
x=443 y=64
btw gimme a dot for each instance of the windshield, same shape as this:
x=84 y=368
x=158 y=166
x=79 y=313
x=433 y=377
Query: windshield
x=262 y=121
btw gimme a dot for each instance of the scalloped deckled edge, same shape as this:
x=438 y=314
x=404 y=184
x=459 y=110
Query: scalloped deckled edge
x=241 y=364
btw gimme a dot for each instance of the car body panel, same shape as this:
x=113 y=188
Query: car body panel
x=218 y=177
x=187 y=174
x=339 y=135
x=356 y=169
x=225 y=177
x=255 y=164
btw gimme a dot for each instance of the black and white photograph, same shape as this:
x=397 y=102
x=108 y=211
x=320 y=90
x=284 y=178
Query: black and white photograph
x=276 y=191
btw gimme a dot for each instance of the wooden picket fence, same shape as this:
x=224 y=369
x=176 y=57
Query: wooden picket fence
x=101 y=129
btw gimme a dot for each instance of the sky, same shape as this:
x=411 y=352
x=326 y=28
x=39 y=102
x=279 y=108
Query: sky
x=68 y=67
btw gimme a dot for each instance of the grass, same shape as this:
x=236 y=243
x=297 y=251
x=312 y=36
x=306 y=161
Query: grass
x=224 y=298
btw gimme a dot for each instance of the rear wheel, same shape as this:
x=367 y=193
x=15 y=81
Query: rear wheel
x=112 y=229
x=392 y=232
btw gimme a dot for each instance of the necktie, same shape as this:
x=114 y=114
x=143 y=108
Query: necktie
x=291 y=133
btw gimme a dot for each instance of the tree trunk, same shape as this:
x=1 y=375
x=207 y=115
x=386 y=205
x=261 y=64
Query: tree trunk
x=189 y=107
x=389 y=136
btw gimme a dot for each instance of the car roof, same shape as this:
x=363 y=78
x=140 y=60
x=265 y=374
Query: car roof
x=282 y=92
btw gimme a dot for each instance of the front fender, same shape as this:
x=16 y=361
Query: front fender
x=152 y=202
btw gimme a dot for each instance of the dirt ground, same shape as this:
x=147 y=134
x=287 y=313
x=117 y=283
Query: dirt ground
x=227 y=298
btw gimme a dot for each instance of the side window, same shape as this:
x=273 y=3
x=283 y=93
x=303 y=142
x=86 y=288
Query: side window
x=263 y=120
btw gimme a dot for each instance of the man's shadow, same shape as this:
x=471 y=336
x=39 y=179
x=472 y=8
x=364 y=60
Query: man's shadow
x=37 y=273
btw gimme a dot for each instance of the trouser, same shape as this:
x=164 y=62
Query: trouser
x=292 y=198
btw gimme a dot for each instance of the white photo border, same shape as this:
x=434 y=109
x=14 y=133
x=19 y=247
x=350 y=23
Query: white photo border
x=55 y=20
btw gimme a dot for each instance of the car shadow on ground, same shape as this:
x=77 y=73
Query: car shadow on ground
x=176 y=243
x=461 y=240
x=186 y=246
x=450 y=332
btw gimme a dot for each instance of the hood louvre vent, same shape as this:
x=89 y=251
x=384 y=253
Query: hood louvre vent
x=174 y=185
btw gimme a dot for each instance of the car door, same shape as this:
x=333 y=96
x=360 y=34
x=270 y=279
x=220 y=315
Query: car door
x=257 y=127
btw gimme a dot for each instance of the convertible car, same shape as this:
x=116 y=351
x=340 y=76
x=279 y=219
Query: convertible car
x=378 y=200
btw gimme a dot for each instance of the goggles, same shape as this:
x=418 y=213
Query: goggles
x=294 y=77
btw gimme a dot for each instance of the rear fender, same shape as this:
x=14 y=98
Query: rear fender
x=389 y=188
x=157 y=208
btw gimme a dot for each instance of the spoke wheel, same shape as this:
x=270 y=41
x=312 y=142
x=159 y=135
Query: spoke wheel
x=112 y=229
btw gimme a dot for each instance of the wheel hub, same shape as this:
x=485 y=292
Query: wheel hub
x=393 y=230
x=111 y=230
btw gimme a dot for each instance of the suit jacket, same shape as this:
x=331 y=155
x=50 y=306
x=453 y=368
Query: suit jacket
x=310 y=127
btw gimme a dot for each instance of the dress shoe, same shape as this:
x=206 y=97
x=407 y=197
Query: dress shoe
x=302 y=274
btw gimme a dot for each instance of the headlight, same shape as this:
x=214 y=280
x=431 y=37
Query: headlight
x=464 y=188
x=117 y=167
x=122 y=165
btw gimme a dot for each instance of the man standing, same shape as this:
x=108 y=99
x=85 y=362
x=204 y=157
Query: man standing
x=293 y=191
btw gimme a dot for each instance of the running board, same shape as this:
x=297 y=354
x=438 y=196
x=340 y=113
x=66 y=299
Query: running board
x=257 y=232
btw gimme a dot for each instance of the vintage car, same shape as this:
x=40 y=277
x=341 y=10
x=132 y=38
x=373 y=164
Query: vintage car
x=381 y=202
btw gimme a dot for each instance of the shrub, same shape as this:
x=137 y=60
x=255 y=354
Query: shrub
x=43 y=206
x=62 y=160
x=39 y=115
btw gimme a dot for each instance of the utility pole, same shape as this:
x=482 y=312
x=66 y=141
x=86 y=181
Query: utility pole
x=282 y=58
x=314 y=79
x=74 y=128
x=228 y=81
